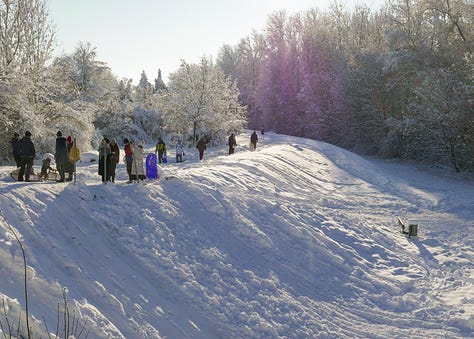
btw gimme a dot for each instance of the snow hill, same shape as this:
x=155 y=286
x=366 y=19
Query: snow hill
x=298 y=239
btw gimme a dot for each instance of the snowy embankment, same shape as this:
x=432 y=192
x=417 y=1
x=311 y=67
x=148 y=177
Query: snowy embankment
x=297 y=239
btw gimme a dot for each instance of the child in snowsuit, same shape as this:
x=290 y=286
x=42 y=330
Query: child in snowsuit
x=179 y=152
x=46 y=168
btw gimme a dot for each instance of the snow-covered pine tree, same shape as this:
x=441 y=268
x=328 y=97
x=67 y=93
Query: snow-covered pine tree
x=160 y=85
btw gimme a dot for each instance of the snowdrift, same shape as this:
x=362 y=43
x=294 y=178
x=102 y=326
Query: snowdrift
x=298 y=239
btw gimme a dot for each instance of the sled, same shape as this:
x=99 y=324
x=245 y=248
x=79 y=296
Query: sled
x=151 y=167
x=34 y=177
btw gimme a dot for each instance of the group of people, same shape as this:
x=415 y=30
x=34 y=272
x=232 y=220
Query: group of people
x=232 y=143
x=109 y=155
x=24 y=153
x=67 y=154
x=160 y=151
x=134 y=155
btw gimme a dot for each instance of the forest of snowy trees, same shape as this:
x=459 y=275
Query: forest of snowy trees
x=396 y=82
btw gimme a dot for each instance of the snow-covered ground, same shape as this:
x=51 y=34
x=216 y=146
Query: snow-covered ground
x=298 y=239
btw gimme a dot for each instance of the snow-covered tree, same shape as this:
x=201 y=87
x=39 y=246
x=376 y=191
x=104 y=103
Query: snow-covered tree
x=144 y=91
x=227 y=61
x=160 y=85
x=249 y=61
x=26 y=39
x=201 y=101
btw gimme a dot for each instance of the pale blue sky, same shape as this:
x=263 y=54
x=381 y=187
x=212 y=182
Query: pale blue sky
x=136 y=35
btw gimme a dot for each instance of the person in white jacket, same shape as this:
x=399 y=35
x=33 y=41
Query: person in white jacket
x=138 y=171
x=179 y=152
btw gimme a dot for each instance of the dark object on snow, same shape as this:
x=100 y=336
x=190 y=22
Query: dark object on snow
x=412 y=228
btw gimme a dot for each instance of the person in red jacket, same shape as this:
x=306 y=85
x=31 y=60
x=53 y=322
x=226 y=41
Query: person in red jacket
x=128 y=158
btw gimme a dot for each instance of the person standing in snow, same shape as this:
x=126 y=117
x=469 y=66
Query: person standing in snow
x=254 y=139
x=128 y=158
x=179 y=151
x=60 y=156
x=74 y=155
x=114 y=158
x=160 y=150
x=232 y=144
x=27 y=154
x=70 y=165
x=104 y=159
x=138 y=172
x=201 y=146
x=15 y=142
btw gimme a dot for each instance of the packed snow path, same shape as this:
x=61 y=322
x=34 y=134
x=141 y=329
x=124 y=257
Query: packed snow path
x=298 y=239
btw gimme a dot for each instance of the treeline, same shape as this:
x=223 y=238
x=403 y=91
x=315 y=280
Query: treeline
x=80 y=96
x=395 y=82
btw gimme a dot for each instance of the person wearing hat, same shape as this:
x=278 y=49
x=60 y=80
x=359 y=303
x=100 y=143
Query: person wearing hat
x=27 y=154
x=61 y=156
x=15 y=142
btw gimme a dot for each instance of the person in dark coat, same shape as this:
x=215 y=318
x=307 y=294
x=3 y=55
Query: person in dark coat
x=232 y=144
x=27 y=154
x=104 y=159
x=16 y=149
x=201 y=146
x=114 y=158
x=61 y=156
x=254 y=139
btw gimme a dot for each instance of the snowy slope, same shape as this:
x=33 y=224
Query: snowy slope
x=298 y=239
